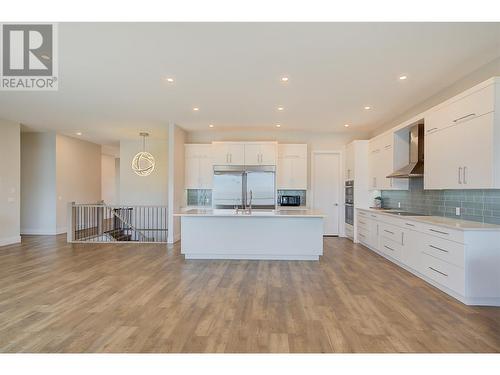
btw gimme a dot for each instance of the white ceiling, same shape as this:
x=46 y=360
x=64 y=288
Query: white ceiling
x=112 y=75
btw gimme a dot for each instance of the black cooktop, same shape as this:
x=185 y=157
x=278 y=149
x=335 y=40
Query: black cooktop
x=404 y=213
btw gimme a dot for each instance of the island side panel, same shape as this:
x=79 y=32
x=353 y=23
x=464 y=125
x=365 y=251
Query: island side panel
x=215 y=237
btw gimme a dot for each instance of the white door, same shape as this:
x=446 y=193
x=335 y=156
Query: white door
x=326 y=175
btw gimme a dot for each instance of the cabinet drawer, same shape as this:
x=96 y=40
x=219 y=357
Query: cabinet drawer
x=391 y=232
x=413 y=225
x=444 y=273
x=445 y=233
x=391 y=248
x=362 y=213
x=448 y=251
x=364 y=237
x=363 y=223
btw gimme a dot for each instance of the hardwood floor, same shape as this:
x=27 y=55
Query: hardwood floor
x=57 y=297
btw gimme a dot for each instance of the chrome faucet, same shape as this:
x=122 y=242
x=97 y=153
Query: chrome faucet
x=250 y=204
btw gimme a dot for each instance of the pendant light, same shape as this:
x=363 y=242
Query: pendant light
x=143 y=164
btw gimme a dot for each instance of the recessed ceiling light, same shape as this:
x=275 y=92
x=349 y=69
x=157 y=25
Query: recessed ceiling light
x=78 y=133
x=403 y=77
x=278 y=125
x=211 y=125
x=346 y=125
x=284 y=79
x=368 y=107
x=280 y=108
x=170 y=80
x=196 y=109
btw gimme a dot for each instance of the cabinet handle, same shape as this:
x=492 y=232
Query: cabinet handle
x=361 y=222
x=231 y=158
x=438 y=231
x=464 y=117
x=430 y=130
x=438 y=248
x=435 y=270
x=402 y=238
x=388 y=231
x=361 y=235
x=460 y=175
x=465 y=174
x=387 y=247
x=375 y=216
x=410 y=225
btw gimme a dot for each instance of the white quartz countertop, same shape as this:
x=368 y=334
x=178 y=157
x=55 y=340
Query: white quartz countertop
x=281 y=213
x=447 y=222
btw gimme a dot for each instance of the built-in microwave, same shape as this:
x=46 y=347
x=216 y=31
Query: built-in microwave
x=289 y=200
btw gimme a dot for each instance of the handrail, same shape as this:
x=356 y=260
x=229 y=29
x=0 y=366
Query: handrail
x=127 y=223
x=100 y=222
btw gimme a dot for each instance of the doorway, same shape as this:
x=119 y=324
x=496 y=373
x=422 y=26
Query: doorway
x=326 y=188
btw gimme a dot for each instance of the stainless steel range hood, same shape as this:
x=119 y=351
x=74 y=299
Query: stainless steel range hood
x=415 y=168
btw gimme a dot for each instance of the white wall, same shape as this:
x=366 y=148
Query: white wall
x=78 y=175
x=485 y=72
x=38 y=183
x=10 y=180
x=147 y=190
x=176 y=194
x=55 y=170
x=108 y=179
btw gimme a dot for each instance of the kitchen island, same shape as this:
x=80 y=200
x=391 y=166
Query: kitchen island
x=262 y=234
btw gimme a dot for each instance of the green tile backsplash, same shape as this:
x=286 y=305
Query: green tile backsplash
x=475 y=205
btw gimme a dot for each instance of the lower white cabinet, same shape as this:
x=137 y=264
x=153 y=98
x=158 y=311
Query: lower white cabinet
x=463 y=263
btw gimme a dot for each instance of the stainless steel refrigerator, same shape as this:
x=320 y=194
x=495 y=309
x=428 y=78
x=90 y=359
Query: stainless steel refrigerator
x=233 y=186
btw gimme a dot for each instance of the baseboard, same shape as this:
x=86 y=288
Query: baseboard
x=61 y=230
x=38 y=232
x=176 y=238
x=10 y=240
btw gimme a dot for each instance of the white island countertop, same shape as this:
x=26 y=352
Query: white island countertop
x=281 y=213
x=447 y=222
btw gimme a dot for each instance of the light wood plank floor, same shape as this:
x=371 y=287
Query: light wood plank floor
x=56 y=297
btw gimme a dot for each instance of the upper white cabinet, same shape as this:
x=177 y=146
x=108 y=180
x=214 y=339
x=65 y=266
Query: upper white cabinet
x=260 y=153
x=291 y=173
x=462 y=141
x=349 y=161
x=228 y=153
x=244 y=153
x=381 y=164
x=198 y=166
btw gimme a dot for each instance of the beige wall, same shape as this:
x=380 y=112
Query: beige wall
x=485 y=72
x=38 y=183
x=78 y=175
x=10 y=180
x=176 y=193
x=109 y=179
x=147 y=190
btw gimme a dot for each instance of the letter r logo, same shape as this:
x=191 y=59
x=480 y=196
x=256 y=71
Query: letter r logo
x=27 y=50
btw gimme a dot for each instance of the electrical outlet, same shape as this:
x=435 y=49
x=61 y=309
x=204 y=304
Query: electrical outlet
x=399 y=204
x=457 y=211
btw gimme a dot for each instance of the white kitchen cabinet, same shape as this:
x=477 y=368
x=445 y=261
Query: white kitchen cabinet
x=260 y=153
x=349 y=162
x=462 y=263
x=198 y=166
x=462 y=141
x=381 y=164
x=461 y=108
x=291 y=172
x=228 y=153
x=462 y=156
